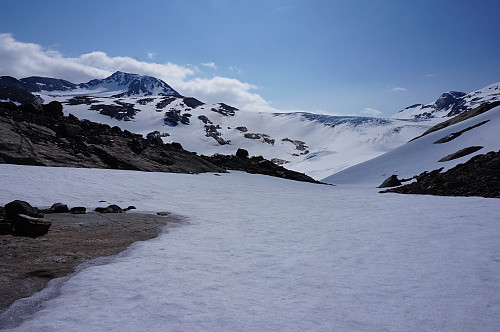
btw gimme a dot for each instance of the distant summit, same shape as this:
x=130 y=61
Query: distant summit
x=118 y=85
x=450 y=104
x=131 y=85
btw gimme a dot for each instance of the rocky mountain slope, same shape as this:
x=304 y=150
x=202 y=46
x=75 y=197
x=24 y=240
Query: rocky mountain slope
x=451 y=103
x=315 y=144
x=479 y=176
x=474 y=138
x=41 y=135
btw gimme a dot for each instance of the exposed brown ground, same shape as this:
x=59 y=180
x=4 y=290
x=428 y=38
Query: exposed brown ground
x=27 y=264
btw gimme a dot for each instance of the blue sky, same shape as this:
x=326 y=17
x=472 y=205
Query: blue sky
x=344 y=57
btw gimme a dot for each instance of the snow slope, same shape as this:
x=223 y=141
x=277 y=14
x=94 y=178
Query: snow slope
x=451 y=103
x=317 y=145
x=422 y=154
x=264 y=254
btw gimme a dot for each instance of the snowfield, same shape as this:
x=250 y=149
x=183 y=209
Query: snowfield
x=423 y=154
x=264 y=254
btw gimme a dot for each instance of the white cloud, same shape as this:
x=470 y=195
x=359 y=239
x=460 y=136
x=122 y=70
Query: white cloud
x=26 y=59
x=398 y=89
x=371 y=112
x=429 y=75
x=209 y=65
x=151 y=55
x=20 y=59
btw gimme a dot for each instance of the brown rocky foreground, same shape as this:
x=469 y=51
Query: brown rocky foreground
x=27 y=264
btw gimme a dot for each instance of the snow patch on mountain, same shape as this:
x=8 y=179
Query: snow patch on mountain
x=451 y=103
x=425 y=153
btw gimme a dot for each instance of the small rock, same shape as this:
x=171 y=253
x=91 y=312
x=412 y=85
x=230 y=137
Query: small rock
x=103 y=210
x=78 y=210
x=59 y=208
x=131 y=207
x=391 y=181
x=113 y=208
x=163 y=213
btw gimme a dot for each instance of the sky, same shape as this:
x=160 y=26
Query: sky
x=352 y=57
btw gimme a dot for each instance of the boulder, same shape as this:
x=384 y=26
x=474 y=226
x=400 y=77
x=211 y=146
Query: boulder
x=25 y=225
x=391 y=181
x=59 y=208
x=5 y=227
x=113 y=208
x=78 y=210
x=68 y=130
x=53 y=109
x=17 y=207
x=242 y=153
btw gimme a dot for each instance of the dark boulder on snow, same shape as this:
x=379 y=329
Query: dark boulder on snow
x=24 y=225
x=17 y=207
x=391 y=181
x=113 y=208
x=242 y=153
x=59 y=208
x=78 y=210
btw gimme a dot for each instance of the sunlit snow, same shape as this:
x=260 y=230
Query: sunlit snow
x=264 y=254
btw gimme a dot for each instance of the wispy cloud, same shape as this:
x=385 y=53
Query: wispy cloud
x=398 y=89
x=20 y=59
x=429 y=75
x=371 y=112
x=209 y=65
x=235 y=69
x=151 y=55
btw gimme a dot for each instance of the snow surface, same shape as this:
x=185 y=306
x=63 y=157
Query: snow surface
x=422 y=155
x=264 y=254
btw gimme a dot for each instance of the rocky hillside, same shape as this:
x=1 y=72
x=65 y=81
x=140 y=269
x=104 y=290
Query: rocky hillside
x=35 y=134
x=451 y=103
x=41 y=135
x=480 y=176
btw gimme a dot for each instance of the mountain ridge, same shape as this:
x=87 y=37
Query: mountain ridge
x=315 y=144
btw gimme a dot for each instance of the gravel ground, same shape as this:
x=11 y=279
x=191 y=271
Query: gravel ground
x=27 y=264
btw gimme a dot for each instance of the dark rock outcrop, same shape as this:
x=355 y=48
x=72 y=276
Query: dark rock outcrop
x=461 y=153
x=28 y=136
x=256 y=165
x=480 y=176
x=242 y=153
x=391 y=181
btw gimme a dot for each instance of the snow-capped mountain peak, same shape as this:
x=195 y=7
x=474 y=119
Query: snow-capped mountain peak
x=129 y=85
x=451 y=103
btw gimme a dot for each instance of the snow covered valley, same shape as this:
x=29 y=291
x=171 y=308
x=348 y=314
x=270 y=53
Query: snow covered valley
x=258 y=253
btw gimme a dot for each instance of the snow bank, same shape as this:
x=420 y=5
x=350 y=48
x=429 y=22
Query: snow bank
x=261 y=254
